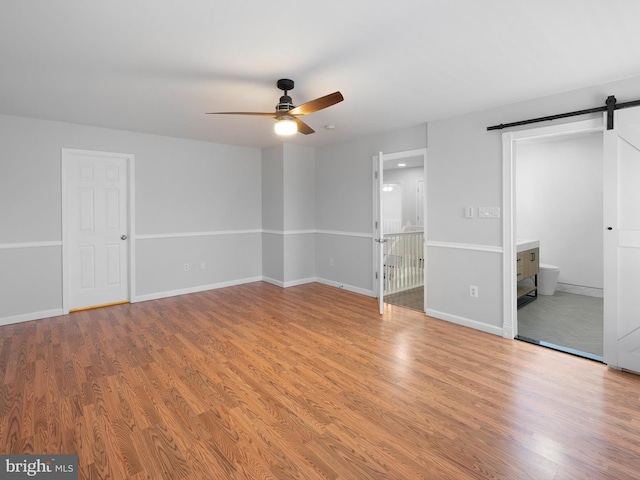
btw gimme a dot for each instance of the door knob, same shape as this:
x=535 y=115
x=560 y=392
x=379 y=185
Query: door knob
x=123 y=237
x=609 y=228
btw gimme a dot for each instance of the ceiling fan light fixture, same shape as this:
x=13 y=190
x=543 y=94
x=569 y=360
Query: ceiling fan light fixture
x=285 y=125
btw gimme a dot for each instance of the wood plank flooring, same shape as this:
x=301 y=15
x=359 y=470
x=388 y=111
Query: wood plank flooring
x=309 y=382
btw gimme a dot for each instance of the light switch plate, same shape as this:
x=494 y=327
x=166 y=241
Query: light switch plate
x=468 y=212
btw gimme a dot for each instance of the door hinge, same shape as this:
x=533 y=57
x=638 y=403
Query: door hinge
x=376 y=275
x=376 y=175
x=376 y=225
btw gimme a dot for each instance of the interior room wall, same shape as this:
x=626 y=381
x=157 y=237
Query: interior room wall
x=464 y=168
x=344 y=205
x=299 y=214
x=559 y=200
x=273 y=214
x=288 y=210
x=408 y=178
x=195 y=201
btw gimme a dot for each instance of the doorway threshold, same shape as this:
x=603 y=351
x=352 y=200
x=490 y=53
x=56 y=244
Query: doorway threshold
x=560 y=348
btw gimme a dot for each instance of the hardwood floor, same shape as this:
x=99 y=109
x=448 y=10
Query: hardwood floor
x=309 y=382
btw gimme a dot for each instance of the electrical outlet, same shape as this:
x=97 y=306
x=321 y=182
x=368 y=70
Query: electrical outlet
x=202 y=265
x=331 y=262
x=473 y=291
x=186 y=267
x=488 y=212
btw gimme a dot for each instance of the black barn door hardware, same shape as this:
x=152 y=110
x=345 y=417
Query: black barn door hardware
x=610 y=106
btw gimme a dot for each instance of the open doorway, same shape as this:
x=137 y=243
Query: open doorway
x=559 y=216
x=403 y=192
x=400 y=228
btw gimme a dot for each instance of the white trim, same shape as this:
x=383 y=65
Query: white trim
x=510 y=303
x=509 y=283
x=290 y=232
x=273 y=281
x=196 y=289
x=293 y=283
x=349 y=288
x=571 y=128
x=301 y=281
x=130 y=159
x=149 y=236
x=465 y=246
x=8 y=246
x=419 y=152
x=580 y=290
x=27 y=317
x=346 y=234
x=465 y=322
x=231 y=283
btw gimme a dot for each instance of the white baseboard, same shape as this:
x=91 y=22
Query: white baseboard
x=465 y=322
x=349 y=288
x=27 y=317
x=196 y=289
x=302 y=281
x=580 y=290
x=292 y=283
x=331 y=283
x=273 y=281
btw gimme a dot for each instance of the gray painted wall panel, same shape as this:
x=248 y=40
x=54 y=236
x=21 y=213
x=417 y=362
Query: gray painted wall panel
x=30 y=280
x=181 y=186
x=299 y=257
x=160 y=261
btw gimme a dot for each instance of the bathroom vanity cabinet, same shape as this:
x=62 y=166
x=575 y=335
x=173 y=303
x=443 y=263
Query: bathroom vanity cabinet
x=528 y=265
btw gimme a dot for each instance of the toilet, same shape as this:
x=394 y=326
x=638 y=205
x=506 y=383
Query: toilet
x=547 y=279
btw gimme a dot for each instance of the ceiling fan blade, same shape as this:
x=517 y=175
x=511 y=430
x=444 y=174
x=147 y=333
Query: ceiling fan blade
x=317 y=104
x=303 y=127
x=260 y=114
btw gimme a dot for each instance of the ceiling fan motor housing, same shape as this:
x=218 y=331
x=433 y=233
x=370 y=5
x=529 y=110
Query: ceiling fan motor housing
x=286 y=103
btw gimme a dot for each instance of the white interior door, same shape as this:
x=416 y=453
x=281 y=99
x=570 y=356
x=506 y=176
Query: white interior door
x=380 y=233
x=96 y=191
x=622 y=241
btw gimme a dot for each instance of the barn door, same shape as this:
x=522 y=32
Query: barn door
x=622 y=241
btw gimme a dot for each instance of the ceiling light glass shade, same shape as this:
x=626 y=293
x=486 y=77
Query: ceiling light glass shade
x=286 y=126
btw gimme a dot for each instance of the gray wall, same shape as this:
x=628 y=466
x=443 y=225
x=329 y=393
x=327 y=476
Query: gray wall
x=288 y=211
x=464 y=168
x=299 y=214
x=273 y=214
x=195 y=202
x=344 y=213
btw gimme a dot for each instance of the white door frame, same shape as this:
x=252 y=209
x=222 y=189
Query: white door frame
x=131 y=246
x=509 y=140
x=420 y=152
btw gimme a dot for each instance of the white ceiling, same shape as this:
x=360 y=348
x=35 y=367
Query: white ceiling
x=156 y=66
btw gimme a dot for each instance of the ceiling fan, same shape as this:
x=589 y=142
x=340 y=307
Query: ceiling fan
x=286 y=114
